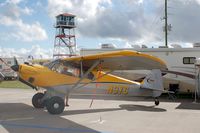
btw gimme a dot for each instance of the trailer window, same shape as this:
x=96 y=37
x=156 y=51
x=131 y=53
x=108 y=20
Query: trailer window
x=189 y=60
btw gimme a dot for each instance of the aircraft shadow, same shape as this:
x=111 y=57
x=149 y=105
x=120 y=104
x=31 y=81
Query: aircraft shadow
x=20 y=117
x=189 y=106
x=117 y=98
x=165 y=98
x=87 y=111
x=132 y=107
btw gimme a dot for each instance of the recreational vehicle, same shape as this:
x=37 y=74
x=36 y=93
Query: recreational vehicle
x=178 y=59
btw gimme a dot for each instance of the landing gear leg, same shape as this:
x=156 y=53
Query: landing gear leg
x=157 y=101
x=67 y=99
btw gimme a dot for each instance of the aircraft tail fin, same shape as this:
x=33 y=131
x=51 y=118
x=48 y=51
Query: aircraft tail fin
x=154 y=82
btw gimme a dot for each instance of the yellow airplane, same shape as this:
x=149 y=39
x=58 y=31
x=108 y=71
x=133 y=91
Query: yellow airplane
x=91 y=75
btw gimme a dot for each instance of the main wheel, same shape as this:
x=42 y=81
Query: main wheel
x=55 y=105
x=37 y=100
x=157 y=101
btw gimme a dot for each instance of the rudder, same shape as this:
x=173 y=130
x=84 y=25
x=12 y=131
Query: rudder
x=154 y=82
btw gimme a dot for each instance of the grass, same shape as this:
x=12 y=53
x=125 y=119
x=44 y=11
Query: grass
x=13 y=84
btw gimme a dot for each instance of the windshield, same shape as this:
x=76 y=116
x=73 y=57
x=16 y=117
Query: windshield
x=68 y=68
x=64 y=68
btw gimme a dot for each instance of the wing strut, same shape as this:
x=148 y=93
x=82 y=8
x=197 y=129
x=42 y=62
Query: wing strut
x=86 y=74
x=95 y=79
x=98 y=75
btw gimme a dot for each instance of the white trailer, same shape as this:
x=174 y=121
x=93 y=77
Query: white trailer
x=177 y=59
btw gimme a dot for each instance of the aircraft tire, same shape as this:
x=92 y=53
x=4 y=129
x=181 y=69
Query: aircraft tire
x=36 y=100
x=157 y=102
x=55 y=105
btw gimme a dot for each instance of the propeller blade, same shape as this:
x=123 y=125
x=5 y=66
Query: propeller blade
x=15 y=61
x=15 y=68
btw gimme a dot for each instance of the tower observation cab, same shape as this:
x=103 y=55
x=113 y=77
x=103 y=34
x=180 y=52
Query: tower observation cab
x=65 y=40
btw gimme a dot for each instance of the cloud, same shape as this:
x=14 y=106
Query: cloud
x=11 y=17
x=36 y=51
x=106 y=18
x=27 y=11
x=185 y=21
x=132 y=20
x=30 y=32
x=13 y=1
x=23 y=31
x=82 y=8
x=130 y=25
x=11 y=9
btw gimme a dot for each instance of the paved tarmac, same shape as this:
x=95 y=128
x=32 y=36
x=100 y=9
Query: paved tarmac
x=132 y=115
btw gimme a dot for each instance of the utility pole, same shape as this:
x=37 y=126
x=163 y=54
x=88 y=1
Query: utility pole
x=166 y=25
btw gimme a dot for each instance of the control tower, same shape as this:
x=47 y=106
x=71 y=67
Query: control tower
x=65 y=39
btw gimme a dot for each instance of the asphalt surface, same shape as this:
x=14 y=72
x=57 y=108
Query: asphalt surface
x=133 y=115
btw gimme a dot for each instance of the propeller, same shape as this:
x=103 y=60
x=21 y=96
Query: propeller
x=15 y=67
x=15 y=61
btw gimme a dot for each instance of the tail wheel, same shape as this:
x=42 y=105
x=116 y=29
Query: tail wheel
x=157 y=101
x=37 y=100
x=55 y=105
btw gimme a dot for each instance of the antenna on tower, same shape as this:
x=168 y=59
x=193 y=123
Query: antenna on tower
x=65 y=39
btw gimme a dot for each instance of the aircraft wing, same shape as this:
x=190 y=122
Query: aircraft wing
x=120 y=60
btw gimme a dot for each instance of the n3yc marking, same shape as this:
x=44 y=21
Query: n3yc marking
x=118 y=90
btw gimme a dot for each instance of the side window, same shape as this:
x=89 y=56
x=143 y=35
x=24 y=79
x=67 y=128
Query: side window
x=189 y=60
x=71 y=71
x=67 y=71
x=57 y=68
x=91 y=76
x=0 y=66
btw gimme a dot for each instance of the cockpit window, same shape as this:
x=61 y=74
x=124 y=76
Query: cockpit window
x=71 y=71
x=68 y=68
x=64 y=68
x=57 y=67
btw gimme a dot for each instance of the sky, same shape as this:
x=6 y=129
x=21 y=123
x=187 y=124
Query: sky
x=26 y=26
